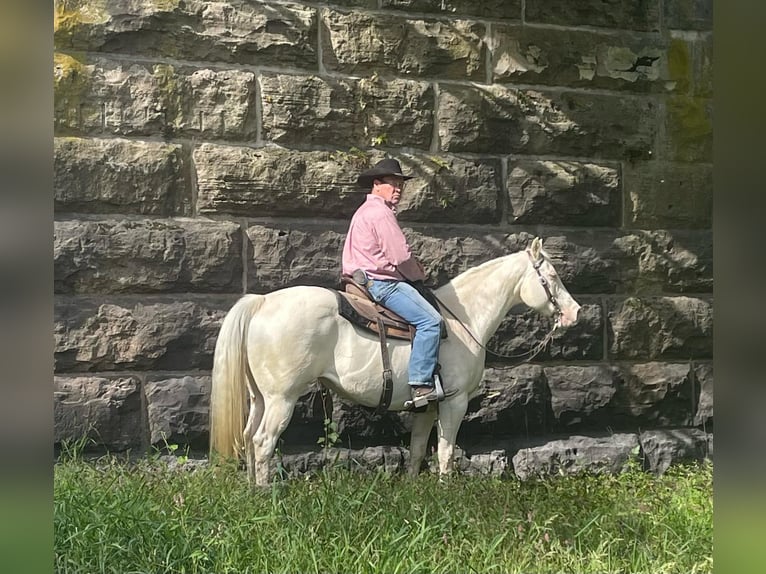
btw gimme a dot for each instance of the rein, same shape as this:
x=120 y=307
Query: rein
x=532 y=353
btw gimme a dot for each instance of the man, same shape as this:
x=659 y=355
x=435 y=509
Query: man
x=376 y=245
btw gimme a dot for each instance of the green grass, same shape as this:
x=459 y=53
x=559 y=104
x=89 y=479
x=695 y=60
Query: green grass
x=113 y=517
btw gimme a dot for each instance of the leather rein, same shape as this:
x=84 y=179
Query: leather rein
x=532 y=353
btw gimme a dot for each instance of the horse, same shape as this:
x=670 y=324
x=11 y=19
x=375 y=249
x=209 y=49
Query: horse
x=271 y=348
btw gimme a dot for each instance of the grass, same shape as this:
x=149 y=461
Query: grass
x=111 y=516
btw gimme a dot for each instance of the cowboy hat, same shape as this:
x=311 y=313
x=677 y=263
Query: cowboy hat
x=381 y=169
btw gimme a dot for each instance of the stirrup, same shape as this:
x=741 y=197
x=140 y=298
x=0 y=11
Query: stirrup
x=422 y=402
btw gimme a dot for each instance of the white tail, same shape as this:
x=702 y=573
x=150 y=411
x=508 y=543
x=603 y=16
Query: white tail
x=228 y=396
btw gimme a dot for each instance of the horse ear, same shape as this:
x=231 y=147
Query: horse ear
x=537 y=246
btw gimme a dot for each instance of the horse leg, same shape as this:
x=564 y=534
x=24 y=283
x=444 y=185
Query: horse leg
x=253 y=422
x=276 y=415
x=421 y=430
x=451 y=413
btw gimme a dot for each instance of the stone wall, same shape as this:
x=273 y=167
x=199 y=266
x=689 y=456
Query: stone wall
x=207 y=149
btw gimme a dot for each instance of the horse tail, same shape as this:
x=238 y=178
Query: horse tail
x=229 y=394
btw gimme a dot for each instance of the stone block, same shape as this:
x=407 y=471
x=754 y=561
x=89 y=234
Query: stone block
x=625 y=14
x=688 y=129
x=233 y=31
x=106 y=410
x=450 y=189
x=147 y=255
x=580 y=395
x=509 y=402
x=689 y=14
x=665 y=447
x=132 y=333
x=96 y=95
x=703 y=375
x=575 y=455
x=564 y=193
x=360 y=43
x=285 y=255
x=668 y=195
x=367 y=112
x=639 y=262
x=576 y=58
x=275 y=181
x=523 y=329
x=497 y=119
x=178 y=410
x=660 y=328
x=494 y=9
x=653 y=395
x=116 y=175
x=619 y=396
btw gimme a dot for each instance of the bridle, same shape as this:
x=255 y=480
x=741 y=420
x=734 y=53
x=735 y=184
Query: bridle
x=544 y=282
x=532 y=353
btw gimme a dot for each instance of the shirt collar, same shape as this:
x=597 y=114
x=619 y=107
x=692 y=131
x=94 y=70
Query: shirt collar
x=373 y=197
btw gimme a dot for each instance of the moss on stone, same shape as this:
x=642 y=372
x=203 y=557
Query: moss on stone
x=67 y=14
x=168 y=88
x=71 y=79
x=679 y=64
x=689 y=127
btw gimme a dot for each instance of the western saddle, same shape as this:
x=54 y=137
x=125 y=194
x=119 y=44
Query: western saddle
x=357 y=306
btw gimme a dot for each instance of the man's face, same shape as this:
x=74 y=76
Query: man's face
x=389 y=188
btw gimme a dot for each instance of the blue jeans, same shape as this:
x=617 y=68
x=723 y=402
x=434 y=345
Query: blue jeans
x=404 y=300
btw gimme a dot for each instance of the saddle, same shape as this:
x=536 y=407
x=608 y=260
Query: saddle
x=356 y=305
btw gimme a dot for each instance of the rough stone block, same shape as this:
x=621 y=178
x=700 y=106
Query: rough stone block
x=285 y=255
x=663 y=448
x=450 y=189
x=577 y=454
x=119 y=97
x=668 y=195
x=275 y=181
x=703 y=374
x=145 y=256
x=523 y=329
x=529 y=55
x=495 y=9
x=114 y=175
x=360 y=43
x=124 y=333
x=688 y=129
x=497 y=119
x=362 y=113
x=638 y=262
x=660 y=327
x=564 y=193
x=509 y=401
x=178 y=410
x=626 y=14
x=653 y=395
x=232 y=31
x=620 y=396
x=689 y=14
x=106 y=410
x=579 y=394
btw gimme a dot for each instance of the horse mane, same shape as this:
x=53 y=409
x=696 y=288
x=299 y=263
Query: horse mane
x=469 y=274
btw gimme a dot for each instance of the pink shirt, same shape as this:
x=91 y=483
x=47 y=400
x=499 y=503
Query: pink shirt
x=375 y=243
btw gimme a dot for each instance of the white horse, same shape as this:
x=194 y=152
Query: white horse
x=272 y=347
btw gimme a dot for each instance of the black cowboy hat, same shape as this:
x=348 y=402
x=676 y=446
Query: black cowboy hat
x=381 y=169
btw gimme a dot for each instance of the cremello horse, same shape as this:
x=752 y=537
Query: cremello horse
x=272 y=347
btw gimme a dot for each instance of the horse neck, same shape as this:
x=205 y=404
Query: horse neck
x=482 y=296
